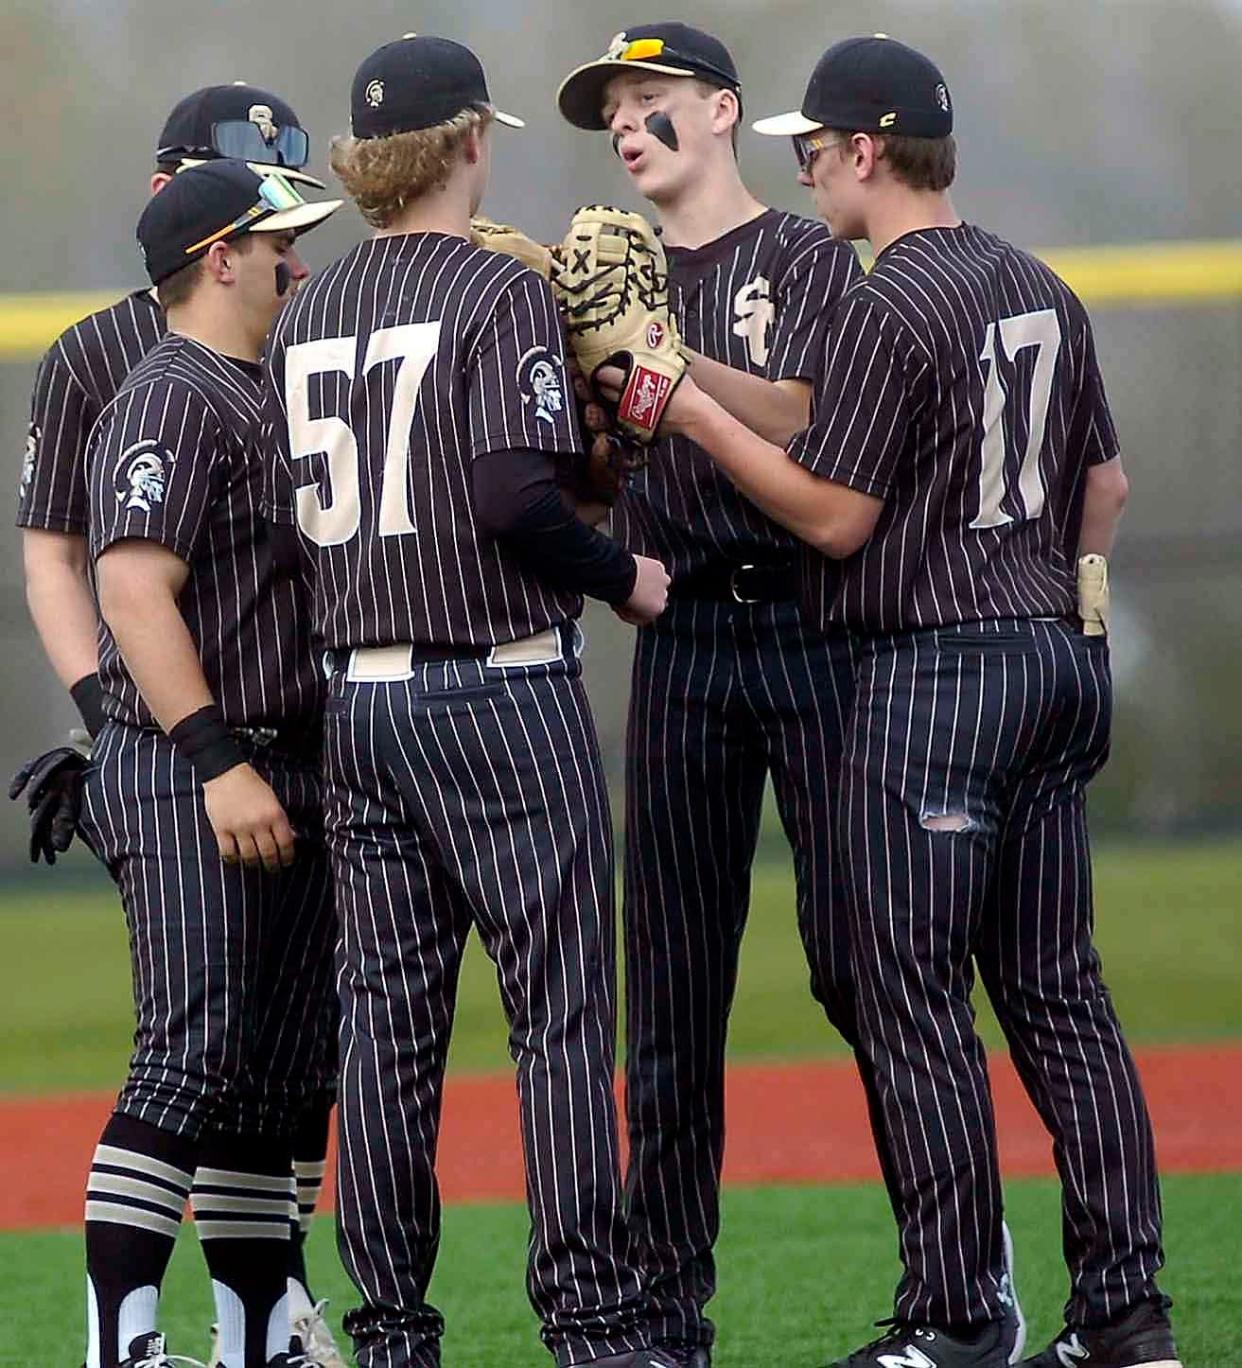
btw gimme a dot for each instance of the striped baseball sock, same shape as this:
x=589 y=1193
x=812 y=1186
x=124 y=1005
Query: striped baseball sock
x=242 y=1200
x=310 y=1147
x=135 y=1194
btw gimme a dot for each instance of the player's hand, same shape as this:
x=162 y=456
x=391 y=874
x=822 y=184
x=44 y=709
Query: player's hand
x=250 y=825
x=52 y=783
x=650 y=594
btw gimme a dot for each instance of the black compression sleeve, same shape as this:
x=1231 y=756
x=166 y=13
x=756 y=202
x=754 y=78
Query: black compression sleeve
x=517 y=499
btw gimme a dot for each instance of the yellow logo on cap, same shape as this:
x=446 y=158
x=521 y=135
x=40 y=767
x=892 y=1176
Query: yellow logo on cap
x=888 y=120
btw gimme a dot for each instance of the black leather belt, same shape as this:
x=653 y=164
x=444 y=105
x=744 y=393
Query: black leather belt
x=772 y=583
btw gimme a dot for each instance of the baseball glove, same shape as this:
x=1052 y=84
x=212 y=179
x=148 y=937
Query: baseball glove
x=502 y=237
x=610 y=456
x=611 y=279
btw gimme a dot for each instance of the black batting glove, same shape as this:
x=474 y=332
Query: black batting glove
x=52 y=783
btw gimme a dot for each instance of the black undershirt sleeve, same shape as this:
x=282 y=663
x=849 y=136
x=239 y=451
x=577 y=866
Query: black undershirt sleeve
x=517 y=500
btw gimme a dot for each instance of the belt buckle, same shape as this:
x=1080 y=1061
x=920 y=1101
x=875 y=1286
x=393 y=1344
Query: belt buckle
x=733 y=589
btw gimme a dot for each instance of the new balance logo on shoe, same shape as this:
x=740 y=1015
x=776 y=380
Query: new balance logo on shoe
x=1071 y=1352
x=911 y=1356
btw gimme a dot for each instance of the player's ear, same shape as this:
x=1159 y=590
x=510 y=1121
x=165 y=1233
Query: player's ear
x=158 y=181
x=864 y=153
x=725 y=111
x=473 y=145
x=218 y=263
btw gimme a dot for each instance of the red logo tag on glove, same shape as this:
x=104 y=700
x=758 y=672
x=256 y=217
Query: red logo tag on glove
x=644 y=397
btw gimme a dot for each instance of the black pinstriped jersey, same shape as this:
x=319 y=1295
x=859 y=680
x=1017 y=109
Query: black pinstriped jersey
x=79 y=374
x=390 y=372
x=176 y=459
x=757 y=299
x=960 y=385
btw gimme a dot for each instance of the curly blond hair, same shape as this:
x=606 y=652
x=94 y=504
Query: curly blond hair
x=383 y=175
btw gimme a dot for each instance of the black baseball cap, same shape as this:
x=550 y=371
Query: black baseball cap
x=671 y=49
x=418 y=82
x=215 y=202
x=870 y=85
x=240 y=121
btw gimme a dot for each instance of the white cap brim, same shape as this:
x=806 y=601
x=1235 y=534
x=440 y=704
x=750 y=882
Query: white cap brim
x=262 y=169
x=785 y=125
x=299 y=219
x=509 y=120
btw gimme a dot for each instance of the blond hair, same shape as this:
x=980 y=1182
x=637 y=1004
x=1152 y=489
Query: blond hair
x=383 y=175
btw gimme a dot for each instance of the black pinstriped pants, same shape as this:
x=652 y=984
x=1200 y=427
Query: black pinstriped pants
x=467 y=796
x=723 y=695
x=964 y=830
x=233 y=968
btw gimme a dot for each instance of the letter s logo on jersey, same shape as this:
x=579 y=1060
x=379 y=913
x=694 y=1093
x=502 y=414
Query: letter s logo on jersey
x=755 y=314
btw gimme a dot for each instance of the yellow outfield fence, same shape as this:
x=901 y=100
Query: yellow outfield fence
x=1153 y=274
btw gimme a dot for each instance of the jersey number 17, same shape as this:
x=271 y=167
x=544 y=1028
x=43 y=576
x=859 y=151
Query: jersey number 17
x=1042 y=331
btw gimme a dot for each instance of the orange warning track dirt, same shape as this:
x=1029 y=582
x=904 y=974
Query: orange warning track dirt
x=792 y=1123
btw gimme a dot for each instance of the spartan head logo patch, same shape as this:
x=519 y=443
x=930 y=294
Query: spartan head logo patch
x=33 y=434
x=140 y=475
x=375 y=93
x=261 y=116
x=942 y=97
x=539 y=382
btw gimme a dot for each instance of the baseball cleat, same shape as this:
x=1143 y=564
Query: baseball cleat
x=295 y=1358
x=640 y=1358
x=318 y=1345
x=1141 y=1338
x=1013 y=1327
x=150 y=1351
x=924 y=1346
x=686 y=1354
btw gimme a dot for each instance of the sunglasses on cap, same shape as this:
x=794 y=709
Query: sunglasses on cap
x=269 y=144
x=275 y=196
x=807 y=146
x=647 y=49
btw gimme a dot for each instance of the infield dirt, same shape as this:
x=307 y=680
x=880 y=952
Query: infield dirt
x=788 y=1123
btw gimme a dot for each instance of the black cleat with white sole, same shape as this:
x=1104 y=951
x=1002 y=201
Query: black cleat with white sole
x=924 y=1346
x=1142 y=1338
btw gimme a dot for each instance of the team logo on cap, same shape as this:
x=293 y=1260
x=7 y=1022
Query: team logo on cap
x=375 y=93
x=28 y=460
x=942 y=96
x=539 y=382
x=261 y=116
x=140 y=472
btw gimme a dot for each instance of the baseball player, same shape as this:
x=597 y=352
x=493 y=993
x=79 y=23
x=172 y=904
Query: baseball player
x=731 y=685
x=202 y=799
x=961 y=461
x=77 y=377
x=422 y=407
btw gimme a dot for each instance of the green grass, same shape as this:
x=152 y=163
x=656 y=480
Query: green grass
x=1169 y=930
x=803 y=1272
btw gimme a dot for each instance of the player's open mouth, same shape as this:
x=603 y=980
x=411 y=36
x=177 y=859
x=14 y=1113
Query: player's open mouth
x=631 y=156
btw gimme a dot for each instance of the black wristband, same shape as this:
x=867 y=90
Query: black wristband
x=207 y=743
x=88 y=697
